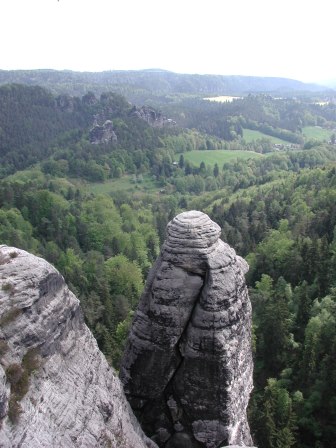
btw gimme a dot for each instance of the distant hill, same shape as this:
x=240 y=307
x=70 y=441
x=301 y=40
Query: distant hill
x=330 y=83
x=34 y=124
x=30 y=120
x=139 y=85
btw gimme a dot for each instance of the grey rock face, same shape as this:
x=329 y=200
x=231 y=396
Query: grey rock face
x=103 y=134
x=187 y=367
x=238 y=446
x=74 y=398
x=151 y=116
x=66 y=103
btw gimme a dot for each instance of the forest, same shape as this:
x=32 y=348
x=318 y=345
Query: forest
x=140 y=86
x=277 y=210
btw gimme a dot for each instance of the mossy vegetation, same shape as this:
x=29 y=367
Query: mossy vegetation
x=10 y=316
x=3 y=347
x=13 y=254
x=7 y=287
x=18 y=376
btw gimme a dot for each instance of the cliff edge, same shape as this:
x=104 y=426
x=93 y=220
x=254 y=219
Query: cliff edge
x=56 y=388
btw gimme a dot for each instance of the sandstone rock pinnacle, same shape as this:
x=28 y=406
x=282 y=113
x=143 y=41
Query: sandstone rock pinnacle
x=187 y=367
x=56 y=387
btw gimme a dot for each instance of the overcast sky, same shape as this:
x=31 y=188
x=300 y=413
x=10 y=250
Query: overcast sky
x=289 y=38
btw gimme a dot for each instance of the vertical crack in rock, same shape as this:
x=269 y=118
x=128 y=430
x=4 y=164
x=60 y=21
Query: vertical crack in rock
x=175 y=406
x=187 y=366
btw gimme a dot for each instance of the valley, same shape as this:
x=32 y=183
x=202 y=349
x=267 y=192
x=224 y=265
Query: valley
x=263 y=169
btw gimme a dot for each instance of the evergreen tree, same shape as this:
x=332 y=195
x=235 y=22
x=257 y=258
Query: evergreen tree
x=216 y=170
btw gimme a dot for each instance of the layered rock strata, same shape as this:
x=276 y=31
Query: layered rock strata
x=187 y=367
x=56 y=388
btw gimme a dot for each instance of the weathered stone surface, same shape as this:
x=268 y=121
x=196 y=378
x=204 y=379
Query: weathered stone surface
x=151 y=116
x=74 y=398
x=66 y=103
x=187 y=367
x=103 y=134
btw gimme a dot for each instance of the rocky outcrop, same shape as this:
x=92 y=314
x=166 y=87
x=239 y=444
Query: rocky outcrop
x=67 y=103
x=103 y=134
x=56 y=388
x=237 y=446
x=187 y=367
x=151 y=116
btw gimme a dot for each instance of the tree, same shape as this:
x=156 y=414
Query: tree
x=202 y=169
x=216 y=170
x=279 y=417
x=187 y=168
x=273 y=324
x=304 y=303
x=124 y=277
x=274 y=251
x=318 y=374
x=181 y=161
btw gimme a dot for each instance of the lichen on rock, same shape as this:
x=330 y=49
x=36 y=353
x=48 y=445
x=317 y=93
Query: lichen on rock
x=187 y=366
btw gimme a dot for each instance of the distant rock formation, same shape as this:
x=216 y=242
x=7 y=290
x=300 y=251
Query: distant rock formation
x=66 y=103
x=151 y=116
x=103 y=134
x=187 y=367
x=56 y=388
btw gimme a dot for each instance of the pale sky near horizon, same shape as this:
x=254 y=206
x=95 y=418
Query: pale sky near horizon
x=287 y=38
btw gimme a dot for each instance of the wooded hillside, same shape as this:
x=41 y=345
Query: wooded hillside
x=98 y=212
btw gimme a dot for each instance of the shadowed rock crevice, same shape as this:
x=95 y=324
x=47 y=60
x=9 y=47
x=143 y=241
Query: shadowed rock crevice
x=187 y=367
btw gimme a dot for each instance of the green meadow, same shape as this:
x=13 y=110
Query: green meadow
x=250 y=135
x=316 y=132
x=217 y=156
x=127 y=183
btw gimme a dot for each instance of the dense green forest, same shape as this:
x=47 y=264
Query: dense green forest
x=278 y=210
x=284 y=118
x=141 y=85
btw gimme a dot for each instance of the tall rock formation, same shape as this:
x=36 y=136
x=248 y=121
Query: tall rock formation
x=102 y=134
x=187 y=367
x=56 y=388
x=151 y=116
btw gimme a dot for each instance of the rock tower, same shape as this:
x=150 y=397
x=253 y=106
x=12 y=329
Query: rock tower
x=187 y=367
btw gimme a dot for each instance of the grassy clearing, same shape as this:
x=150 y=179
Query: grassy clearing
x=127 y=184
x=147 y=185
x=316 y=132
x=217 y=156
x=250 y=135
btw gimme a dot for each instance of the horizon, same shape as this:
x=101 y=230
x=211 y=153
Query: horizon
x=235 y=38
x=169 y=71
